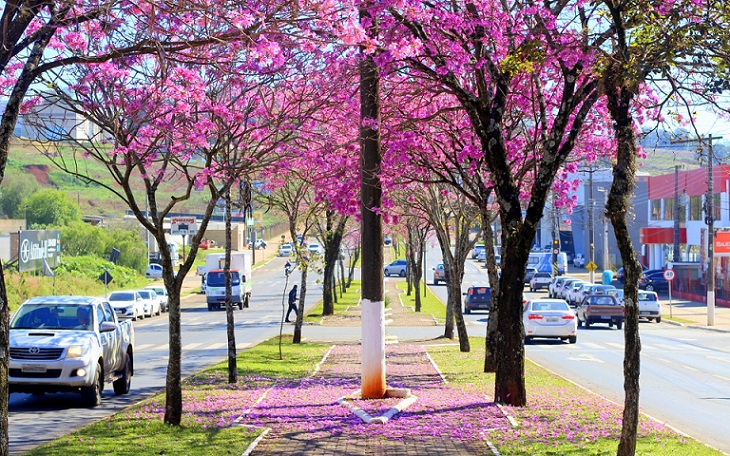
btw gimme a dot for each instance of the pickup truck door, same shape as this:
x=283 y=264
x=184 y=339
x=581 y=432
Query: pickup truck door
x=109 y=340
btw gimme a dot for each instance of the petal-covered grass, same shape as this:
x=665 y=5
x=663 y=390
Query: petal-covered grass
x=559 y=419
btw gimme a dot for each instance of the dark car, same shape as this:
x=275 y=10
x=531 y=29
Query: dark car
x=653 y=281
x=620 y=273
x=477 y=298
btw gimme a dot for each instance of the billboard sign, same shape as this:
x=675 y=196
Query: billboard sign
x=722 y=243
x=37 y=246
x=183 y=226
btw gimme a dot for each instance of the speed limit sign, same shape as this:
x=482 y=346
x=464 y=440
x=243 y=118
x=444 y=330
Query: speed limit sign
x=669 y=275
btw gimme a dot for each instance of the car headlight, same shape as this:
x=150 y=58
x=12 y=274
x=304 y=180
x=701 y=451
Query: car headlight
x=76 y=351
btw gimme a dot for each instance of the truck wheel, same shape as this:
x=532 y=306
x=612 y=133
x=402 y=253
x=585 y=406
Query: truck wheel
x=91 y=395
x=619 y=324
x=124 y=383
x=210 y=307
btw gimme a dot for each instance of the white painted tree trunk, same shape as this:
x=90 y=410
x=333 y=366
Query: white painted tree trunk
x=373 y=349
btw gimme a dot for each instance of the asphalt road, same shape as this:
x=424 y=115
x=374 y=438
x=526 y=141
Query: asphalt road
x=685 y=372
x=37 y=419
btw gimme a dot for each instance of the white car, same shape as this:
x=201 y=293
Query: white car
x=313 y=247
x=476 y=251
x=150 y=302
x=549 y=318
x=574 y=292
x=154 y=271
x=285 y=250
x=556 y=284
x=649 y=306
x=127 y=304
x=161 y=293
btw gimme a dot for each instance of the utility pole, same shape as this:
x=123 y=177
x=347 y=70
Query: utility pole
x=556 y=239
x=591 y=234
x=677 y=253
x=710 y=220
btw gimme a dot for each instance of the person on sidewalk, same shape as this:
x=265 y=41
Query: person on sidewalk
x=292 y=303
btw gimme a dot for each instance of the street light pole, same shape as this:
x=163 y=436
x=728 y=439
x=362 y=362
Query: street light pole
x=677 y=253
x=591 y=234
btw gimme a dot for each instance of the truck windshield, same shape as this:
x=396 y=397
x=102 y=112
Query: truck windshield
x=52 y=316
x=218 y=279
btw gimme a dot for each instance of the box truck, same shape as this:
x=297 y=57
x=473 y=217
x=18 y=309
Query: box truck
x=215 y=280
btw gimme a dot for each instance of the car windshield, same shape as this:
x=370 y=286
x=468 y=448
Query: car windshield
x=117 y=296
x=647 y=297
x=146 y=294
x=51 y=316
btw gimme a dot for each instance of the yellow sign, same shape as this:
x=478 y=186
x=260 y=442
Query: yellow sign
x=591 y=266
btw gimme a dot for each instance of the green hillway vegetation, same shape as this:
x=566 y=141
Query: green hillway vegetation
x=139 y=429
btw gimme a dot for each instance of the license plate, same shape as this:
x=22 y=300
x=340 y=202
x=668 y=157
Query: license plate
x=605 y=317
x=33 y=368
x=551 y=319
x=644 y=313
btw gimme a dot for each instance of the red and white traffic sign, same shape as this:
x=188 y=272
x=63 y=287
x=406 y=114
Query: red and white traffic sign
x=669 y=275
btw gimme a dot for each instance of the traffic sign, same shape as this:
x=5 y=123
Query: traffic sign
x=591 y=266
x=556 y=251
x=669 y=275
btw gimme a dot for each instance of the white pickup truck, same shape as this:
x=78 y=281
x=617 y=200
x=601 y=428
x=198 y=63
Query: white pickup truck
x=70 y=343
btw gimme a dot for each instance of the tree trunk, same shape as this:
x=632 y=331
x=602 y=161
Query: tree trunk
x=230 y=323
x=333 y=240
x=300 y=307
x=4 y=364
x=619 y=96
x=173 y=383
x=509 y=383
x=492 y=349
x=373 y=305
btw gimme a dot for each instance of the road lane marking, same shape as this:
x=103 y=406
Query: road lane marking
x=191 y=346
x=722 y=377
x=143 y=346
x=668 y=347
x=586 y=357
x=718 y=358
x=592 y=345
x=217 y=346
x=242 y=346
x=690 y=368
x=615 y=345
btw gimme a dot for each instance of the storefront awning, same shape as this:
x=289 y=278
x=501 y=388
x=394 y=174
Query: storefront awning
x=656 y=235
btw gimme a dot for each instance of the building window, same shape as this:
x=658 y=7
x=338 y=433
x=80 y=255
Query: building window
x=668 y=209
x=656 y=209
x=695 y=208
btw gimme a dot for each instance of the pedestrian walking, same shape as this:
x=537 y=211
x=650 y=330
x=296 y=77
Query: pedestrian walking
x=292 y=303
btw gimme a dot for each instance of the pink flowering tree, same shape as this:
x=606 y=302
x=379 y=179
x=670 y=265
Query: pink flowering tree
x=168 y=131
x=46 y=36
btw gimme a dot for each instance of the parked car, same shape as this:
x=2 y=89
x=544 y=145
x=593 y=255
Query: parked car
x=69 y=344
x=556 y=284
x=591 y=288
x=477 y=298
x=150 y=302
x=572 y=295
x=313 y=247
x=154 y=271
x=649 y=306
x=549 y=318
x=618 y=294
x=258 y=244
x=397 y=267
x=127 y=304
x=620 y=273
x=579 y=261
x=540 y=280
x=440 y=274
x=161 y=293
x=529 y=274
x=600 y=309
x=285 y=249
x=653 y=281
x=562 y=292
x=476 y=251
x=387 y=240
